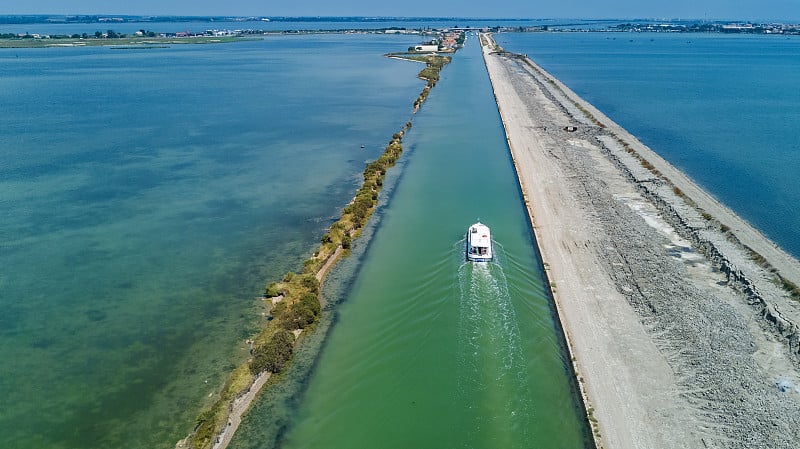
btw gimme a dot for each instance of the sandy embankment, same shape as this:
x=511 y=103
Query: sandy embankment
x=679 y=338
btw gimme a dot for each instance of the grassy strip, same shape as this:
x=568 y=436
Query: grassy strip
x=296 y=296
x=127 y=41
x=433 y=65
x=790 y=287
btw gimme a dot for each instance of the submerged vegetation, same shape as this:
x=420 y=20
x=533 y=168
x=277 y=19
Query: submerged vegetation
x=296 y=304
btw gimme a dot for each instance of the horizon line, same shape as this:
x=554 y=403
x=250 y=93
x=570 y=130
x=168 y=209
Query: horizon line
x=387 y=17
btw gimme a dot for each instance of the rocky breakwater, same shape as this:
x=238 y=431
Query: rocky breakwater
x=682 y=317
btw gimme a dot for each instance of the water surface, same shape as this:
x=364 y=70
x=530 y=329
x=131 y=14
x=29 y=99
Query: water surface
x=429 y=351
x=147 y=197
x=721 y=108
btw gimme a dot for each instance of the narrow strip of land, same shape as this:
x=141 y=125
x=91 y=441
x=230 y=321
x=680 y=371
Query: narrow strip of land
x=126 y=42
x=678 y=314
x=296 y=300
x=238 y=408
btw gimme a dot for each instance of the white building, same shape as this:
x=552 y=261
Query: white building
x=426 y=47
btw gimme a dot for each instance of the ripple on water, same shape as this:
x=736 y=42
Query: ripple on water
x=492 y=368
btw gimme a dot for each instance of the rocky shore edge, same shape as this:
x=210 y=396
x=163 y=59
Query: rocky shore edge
x=682 y=318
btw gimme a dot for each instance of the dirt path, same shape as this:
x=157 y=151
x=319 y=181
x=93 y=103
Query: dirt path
x=240 y=407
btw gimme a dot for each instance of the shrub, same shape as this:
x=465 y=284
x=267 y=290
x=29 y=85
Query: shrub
x=274 y=354
x=272 y=290
x=360 y=208
x=310 y=282
x=311 y=266
x=298 y=317
x=791 y=287
x=311 y=300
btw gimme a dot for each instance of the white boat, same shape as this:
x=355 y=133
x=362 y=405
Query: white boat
x=479 y=243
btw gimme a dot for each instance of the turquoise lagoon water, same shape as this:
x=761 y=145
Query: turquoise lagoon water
x=722 y=108
x=147 y=196
x=428 y=351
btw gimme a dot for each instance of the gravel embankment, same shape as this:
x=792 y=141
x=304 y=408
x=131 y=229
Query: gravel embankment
x=680 y=338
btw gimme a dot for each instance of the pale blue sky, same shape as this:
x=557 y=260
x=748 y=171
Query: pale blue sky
x=684 y=9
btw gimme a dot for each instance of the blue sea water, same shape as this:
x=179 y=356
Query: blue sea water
x=147 y=196
x=723 y=108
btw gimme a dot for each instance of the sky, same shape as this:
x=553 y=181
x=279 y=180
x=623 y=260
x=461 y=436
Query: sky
x=665 y=9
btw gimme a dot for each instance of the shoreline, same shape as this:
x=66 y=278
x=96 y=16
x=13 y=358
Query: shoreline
x=677 y=313
x=297 y=301
x=121 y=43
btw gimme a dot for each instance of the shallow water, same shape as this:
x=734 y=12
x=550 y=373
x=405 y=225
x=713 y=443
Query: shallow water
x=722 y=108
x=147 y=197
x=427 y=350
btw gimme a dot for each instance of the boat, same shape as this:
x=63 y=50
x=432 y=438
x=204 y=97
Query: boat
x=479 y=243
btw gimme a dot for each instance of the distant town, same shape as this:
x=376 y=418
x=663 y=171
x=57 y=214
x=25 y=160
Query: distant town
x=706 y=27
x=445 y=40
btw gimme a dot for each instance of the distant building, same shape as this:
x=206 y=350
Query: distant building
x=426 y=47
x=736 y=28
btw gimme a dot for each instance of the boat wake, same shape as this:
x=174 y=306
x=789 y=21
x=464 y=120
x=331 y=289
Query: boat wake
x=492 y=375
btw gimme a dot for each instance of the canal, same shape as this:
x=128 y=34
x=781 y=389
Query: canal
x=429 y=351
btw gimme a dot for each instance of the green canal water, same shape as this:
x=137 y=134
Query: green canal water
x=429 y=351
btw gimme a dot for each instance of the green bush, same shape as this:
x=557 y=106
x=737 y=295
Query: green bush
x=272 y=290
x=311 y=300
x=298 y=317
x=274 y=354
x=360 y=210
x=310 y=282
x=311 y=266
